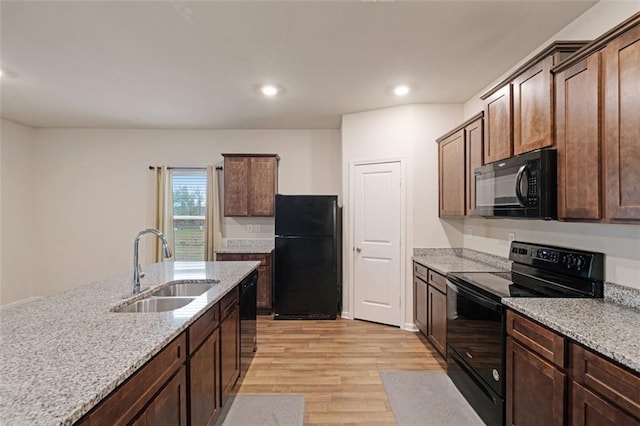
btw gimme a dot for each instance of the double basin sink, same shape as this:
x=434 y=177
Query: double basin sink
x=169 y=298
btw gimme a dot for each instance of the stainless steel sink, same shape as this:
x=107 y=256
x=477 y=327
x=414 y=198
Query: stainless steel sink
x=156 y=304
x=183 y=290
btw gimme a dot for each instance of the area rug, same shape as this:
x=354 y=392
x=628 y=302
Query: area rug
x=426 y=398
x=264 y=410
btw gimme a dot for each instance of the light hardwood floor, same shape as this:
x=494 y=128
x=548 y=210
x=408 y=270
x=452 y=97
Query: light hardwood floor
x=335 y=365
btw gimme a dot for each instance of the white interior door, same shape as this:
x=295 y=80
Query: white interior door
x=377 y=229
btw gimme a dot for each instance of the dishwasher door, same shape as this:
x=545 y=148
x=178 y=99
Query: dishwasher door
x=248 y=330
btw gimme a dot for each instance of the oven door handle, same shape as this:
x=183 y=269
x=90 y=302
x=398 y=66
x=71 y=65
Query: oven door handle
x=475 y=296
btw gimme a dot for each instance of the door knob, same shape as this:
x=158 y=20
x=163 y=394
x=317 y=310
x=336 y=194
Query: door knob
x=358 y=249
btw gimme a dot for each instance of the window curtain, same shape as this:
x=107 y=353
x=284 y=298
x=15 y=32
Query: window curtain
x=163 y=220
x=213 y=224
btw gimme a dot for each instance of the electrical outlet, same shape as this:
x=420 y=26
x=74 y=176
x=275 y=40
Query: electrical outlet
x=512 y=236
x=468 y=233
x=249 y=228
x=256 y=228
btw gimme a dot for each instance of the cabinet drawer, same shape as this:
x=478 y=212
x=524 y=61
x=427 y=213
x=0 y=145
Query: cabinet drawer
x=605 y=378
x=420 y=271
x=228 y=302
x=540 y=339
x=228 y=257
x=203 y=327
x=124 y=403
x=438 y=281
x=264 y=259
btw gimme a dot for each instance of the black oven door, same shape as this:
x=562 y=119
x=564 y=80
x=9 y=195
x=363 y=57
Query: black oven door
x=475 y=331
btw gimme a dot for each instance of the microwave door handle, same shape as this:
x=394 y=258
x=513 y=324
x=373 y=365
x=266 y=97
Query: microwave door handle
x=519 y=177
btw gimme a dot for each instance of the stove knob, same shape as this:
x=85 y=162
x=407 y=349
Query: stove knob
x=580 y=262
x=570 y=262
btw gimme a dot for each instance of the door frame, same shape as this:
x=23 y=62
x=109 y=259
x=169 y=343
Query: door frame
x=348 y=299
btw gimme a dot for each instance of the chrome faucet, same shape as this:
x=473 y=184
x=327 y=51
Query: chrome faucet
x=137 y=273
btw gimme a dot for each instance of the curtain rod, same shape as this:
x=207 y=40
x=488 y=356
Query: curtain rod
x=186 y=168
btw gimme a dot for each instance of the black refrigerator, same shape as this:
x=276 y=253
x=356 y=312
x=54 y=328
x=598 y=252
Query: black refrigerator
x=307 y=259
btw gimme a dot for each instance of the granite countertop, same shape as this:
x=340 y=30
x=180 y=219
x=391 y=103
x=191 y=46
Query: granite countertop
x=63 y=354
x=254 y=246
x=459 y=260
x=608 y=328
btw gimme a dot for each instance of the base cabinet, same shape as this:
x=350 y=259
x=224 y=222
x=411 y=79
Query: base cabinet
x=552 y=380
x=229 y=343
x=204 y=386
x=430 y=306
x=533 y=382
x=169 y=407
x=265 y=286
x=437 y=320
x=187 y=382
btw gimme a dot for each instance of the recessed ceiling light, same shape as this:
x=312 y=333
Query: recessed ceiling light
x=401 y=90
x=269 y=90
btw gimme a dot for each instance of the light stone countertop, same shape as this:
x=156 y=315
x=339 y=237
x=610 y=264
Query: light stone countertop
x=451 y=263
x=63 y=354
x=608 y=328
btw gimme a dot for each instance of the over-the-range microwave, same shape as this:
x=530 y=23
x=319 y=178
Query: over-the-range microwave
x=524 y=186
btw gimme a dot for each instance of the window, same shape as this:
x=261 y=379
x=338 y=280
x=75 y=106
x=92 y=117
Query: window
x=189 y=200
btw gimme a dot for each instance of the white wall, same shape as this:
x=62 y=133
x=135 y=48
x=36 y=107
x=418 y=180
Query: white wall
x=407 y=133
x=620 y=243
x=596 y=21
x=18 y=249
x=95 y=192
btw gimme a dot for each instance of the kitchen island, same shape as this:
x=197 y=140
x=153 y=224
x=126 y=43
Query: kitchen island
x=63 y=354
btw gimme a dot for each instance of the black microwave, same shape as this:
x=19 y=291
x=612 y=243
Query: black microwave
x=524 y=186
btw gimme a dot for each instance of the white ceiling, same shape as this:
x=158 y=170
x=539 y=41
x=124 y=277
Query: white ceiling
x=162 y=64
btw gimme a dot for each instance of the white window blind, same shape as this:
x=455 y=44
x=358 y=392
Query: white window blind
x=189 y=196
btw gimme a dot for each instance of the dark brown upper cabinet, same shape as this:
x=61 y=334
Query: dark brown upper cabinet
x=621 y=66
x=598 y=128
x=519 y=109
x=459 y=153
x=250 y=184
x=578 y=140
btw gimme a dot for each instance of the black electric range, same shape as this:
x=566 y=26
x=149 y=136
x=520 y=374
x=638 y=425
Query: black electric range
x=476 y=317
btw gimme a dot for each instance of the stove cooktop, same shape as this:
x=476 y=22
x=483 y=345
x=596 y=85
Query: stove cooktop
x=540 y=271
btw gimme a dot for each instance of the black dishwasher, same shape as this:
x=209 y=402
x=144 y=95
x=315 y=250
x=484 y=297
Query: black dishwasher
x=248 y=308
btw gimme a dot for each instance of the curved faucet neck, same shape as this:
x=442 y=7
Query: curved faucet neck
x=135 y=280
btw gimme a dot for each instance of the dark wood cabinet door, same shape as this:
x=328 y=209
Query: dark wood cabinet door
x=533 y=108
x=588 y=409
x=420 y=304
x=452 y=175
x=536 y=389
x=474 y=140
x=169 y=407
x=437 y=319
x=621 y=65
x=578 y=140
x=204 y=373
x=264 y=289
x=230 y=351
x=262 y=186
x=498 y=125
x=236 y=186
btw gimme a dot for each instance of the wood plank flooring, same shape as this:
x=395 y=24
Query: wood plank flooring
x=335 y=365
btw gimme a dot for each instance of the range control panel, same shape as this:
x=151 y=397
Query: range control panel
x=566 y=260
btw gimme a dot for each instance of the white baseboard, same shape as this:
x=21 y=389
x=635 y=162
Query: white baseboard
x=346 y=315
x=410 y=327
